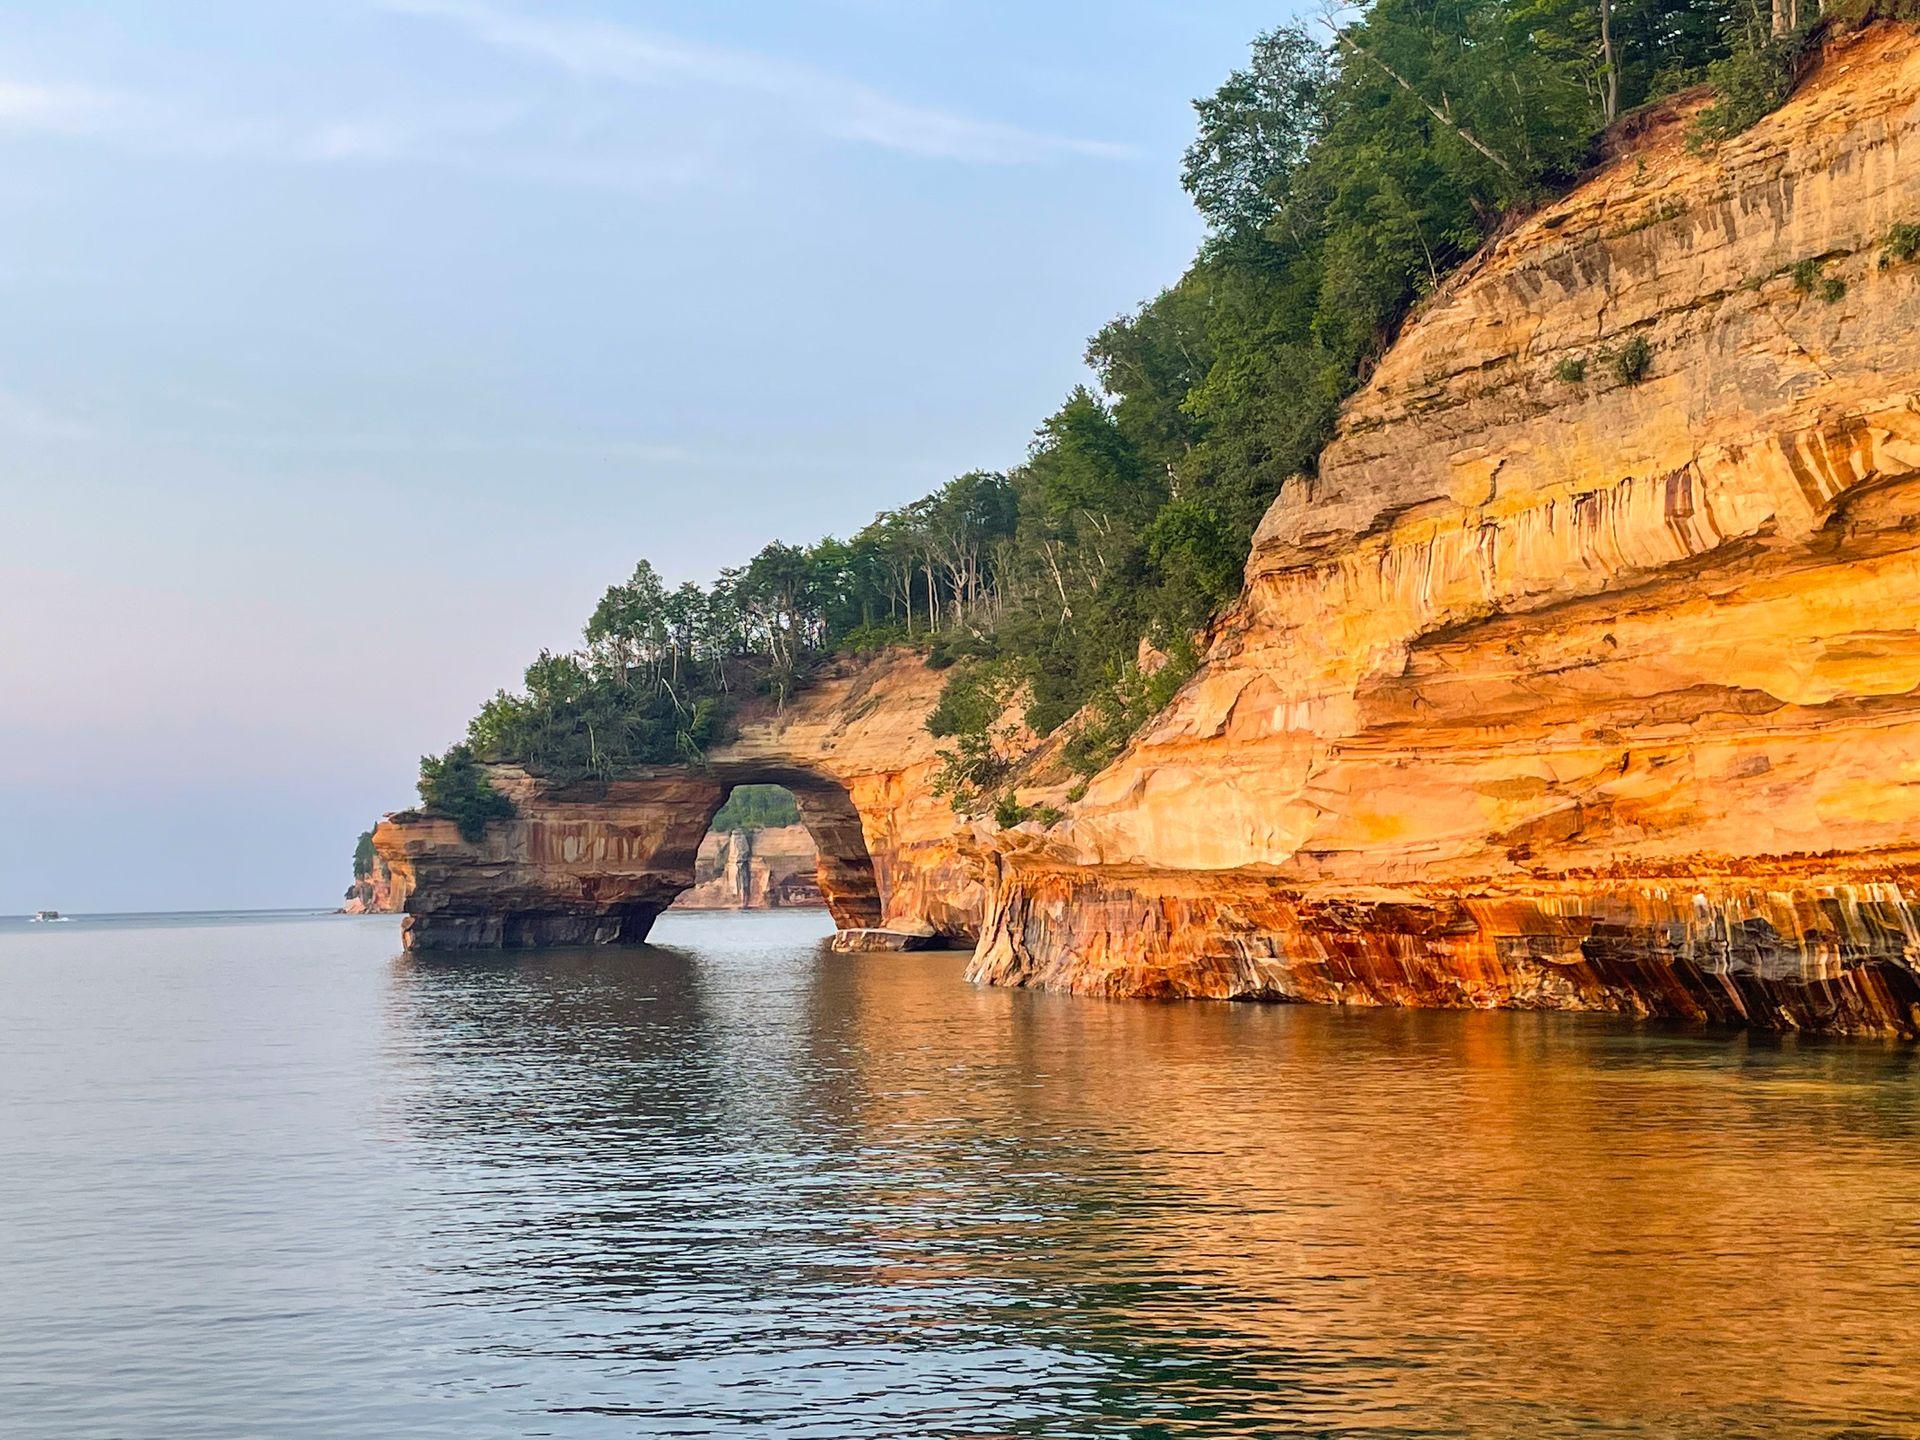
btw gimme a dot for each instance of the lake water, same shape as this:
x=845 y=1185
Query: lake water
x=270 y=1177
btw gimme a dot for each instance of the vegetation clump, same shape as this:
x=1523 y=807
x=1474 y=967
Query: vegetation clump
x=757 y=807
x=1571 y=370
x=363 y=855
x=1754 y=78
x=1901 y=245
x=1632 y=361
x=455 y=785
x=1808 y=280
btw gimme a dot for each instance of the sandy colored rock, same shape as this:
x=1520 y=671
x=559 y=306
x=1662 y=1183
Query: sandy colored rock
x=1573 y=695
x=592 y=864
x=1597 y=694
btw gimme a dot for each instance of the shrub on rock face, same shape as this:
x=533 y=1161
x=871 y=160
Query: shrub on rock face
x=1632 y=361
x=455 y=786
x=1571 y=371
x=1902 y=244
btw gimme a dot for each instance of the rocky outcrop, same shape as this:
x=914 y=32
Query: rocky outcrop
x=595 y=864
x=372 y=893
x=767 y=869
x=1586 y=673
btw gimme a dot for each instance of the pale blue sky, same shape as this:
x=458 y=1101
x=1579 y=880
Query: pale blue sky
x=352 y=347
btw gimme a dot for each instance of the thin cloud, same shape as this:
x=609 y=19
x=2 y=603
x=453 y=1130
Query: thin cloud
x=58 y=109
x=479 y=138
x=839 y=107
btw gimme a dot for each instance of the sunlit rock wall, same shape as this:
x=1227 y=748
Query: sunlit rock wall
x=1568 y=693
x=767 y=869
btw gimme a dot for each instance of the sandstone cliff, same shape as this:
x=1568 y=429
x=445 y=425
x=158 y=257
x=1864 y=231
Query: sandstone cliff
x=767 y=869
x=595 y=864
x=1558 y=691
x=374 y=892
x=1584 y=674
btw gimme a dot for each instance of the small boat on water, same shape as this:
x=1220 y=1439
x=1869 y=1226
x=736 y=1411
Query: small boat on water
x=50 y=917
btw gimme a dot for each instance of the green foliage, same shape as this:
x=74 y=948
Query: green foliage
x=1008 y=812
x=1632 y=361
x=1755 y=77
x=1256 y=131
x=982 y=742
x=1120 y=709
x=1571 y=370
x=455 y=785
x=1808 y=280
x=577 y=720
x=363 y=855
x=1902 y=244
x=757 y=807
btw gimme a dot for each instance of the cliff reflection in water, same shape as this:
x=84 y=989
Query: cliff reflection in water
x=739 y=1182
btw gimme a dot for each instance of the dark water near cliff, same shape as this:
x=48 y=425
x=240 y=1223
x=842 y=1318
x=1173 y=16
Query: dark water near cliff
x=269 y=1179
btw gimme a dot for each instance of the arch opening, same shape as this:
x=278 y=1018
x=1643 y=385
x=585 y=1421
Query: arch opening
x=757 y=855
x=844 y=874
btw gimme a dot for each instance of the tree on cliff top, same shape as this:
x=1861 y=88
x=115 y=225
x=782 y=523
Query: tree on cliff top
x=757 y=807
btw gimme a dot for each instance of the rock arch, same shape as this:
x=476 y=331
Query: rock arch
x=594 y=863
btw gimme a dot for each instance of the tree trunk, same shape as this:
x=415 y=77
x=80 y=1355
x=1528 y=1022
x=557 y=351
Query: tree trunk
x=1607 y=58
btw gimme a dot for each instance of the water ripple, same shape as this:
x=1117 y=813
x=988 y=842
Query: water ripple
x=271 y=1180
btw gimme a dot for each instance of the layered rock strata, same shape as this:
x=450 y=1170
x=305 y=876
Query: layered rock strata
x=1586 y=673
x=595 y=864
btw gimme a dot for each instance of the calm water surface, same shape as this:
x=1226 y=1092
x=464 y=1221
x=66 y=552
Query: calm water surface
x=271 y=1178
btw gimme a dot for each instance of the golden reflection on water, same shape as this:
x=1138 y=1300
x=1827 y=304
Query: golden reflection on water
x=1199 y=1219
x=1443 y=1212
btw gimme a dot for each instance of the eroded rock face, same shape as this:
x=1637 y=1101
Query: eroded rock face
x=1568 y=693
x=594 y=864
x=372 y=893
x=1596 y=693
